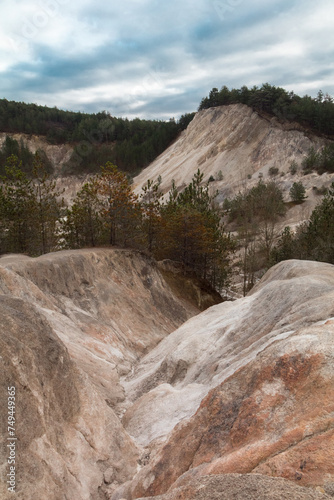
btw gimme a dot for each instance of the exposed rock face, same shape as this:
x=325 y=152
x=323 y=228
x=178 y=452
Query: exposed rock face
x=108 y=306
x=214 y=345
x=272 y=413
x=58 y=154
x=71 y=323
x=233 y=139
x=67 y=435
x=237 y=402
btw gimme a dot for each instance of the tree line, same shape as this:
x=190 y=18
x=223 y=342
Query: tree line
x=186 y=226
x=30 y=209
x=315 y=113
x=131 y=144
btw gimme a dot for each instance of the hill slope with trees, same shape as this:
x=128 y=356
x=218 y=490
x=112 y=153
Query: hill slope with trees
x=96 y=138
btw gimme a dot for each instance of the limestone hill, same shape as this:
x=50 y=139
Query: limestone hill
x=235 y=144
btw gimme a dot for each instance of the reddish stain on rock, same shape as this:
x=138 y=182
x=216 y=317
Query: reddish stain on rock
x=272 y=418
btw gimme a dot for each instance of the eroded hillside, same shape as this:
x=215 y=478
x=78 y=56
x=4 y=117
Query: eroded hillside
x=123 y=391
x=58 y=154
x=72 y=323
x=248 y=386
x=235 y=145
x=233 y=139
x=232 y=144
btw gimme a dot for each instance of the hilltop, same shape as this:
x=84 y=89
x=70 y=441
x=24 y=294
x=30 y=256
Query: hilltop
x=235 y=146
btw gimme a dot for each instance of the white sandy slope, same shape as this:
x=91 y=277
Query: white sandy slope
x=241 y=144
x=233 y=139
x=108 y=306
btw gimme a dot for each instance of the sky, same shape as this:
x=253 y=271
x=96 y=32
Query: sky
x=158 y=59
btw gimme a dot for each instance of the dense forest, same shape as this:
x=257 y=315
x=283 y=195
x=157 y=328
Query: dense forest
x=186 y=227
x=100 y=137
x=315 y=113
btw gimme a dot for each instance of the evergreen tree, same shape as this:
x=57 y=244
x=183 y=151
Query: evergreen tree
x=30 y=210
x=18 y=209
x=314 y=239
x=83 y=225
x=151 y=216
x=122 y=210
x=297 y=192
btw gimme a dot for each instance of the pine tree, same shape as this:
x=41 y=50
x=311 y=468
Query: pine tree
x=297 y=192
x=83 y=225
x=18 y=209
x=30 y=209
x=49 y=208
x=122 y=210
x=151 y=216
x=191 y=232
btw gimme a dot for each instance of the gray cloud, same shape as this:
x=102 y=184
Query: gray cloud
x=158 y=59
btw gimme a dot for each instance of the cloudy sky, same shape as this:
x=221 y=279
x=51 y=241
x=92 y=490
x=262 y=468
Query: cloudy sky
x=157 y=58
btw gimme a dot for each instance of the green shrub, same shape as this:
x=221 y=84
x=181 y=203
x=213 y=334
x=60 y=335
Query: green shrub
x=273 y=171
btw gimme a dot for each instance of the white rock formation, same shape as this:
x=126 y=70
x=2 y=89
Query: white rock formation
x=86 y=334
x=233 y=139
x=170 y=382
